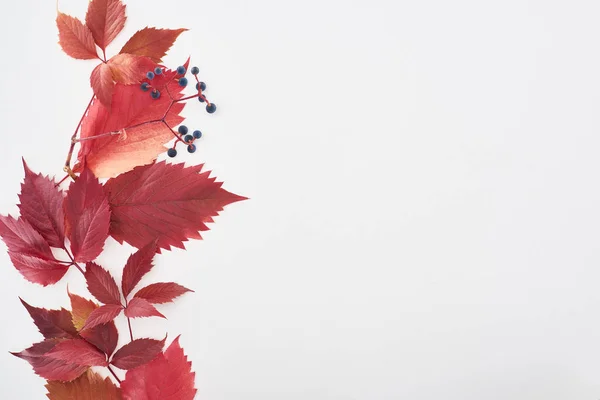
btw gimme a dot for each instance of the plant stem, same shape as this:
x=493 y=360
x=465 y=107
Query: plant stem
x=73 y=260
x=74 y=136
x=130 y=331
x=113 y=374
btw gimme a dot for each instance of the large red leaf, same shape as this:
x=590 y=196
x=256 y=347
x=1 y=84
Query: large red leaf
x=102 y=315
x=87 y=217
x=78 y=351
x=136 y=353
x=47 y=367
x=165 y=203
x=136 y=122
x=38 y=270
x=168 y=377
x=106 y=19
x=140 y=308
x=52 y=324
x=75 y=38
x=160 y=293
x=152 y=42
x=21 y=237
x=89 y=386
x=101 y=284
x=41 y=206
x=138 y=265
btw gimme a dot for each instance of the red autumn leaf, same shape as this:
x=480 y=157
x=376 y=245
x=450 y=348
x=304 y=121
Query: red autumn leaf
x=106 y=19
x=21 y=237
x=103 y=84
x=165 y=203
x=129 y=69
x=78 y=351
x=80 y=310
x=152 y=42
x=138 y=265
x=160 y=293
x=168 y=377
x=137 y=353
x=89 y=386
x=105 y=337
x=52 y=324
x=38 y=270
x=101 y=284
x=140 y=308
x=134 y=132
x=87 y=217
x=41 y=206
x=50 y=368
x=75 y=38
x=102 y=315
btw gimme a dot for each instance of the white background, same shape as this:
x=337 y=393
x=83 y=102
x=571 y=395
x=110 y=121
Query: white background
x=424 y=221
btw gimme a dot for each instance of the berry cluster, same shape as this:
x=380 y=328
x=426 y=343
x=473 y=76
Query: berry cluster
x=186 y=138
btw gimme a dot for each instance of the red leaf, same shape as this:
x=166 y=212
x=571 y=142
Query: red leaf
x=78 y=351
x=75 y=38
x=152 y=42
x=137 y=353
x=129 y=69
x=41 y=206
x=160 y=293
x=80 y=310
x=52 y=323
x=164 y=203
x=135 y=120
x=138 y=265
x=105 y=337
x=102 y=315
x=38 y=270
x=167 y=377
x=102 y=285
x=50 y=368
x=106 y=19
x=103 y=84
x=139 y=308
x=89 y=386
x=21 y=237
x=87 y=217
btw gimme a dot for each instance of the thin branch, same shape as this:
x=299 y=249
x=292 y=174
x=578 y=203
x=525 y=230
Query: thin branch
x=113 y=374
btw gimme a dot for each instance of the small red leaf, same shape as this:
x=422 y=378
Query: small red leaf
x=89 y=386
x=38 y=270
x=80 y=310
x=152 y=42
x=106 y=19
x=103 y=84
x=78 y=351
x=75 y=38
x=129 y=69
x=21 y=237
x=159 y=293
x=105 y=337
x=168 y=377
x=101 y=284
x=139 y=308
x=138 y=265
x=52 y=323
x=102 y=315
x=50 y=368
x=137 y=353
x=167 y=203
x=87 y=217
x=41 y=206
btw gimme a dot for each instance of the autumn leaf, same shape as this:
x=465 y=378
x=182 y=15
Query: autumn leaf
x=105 y=19
x=89 y=386
x=80 y=310
x=75 y=38
x=101 y=284
x=129 y=69
x=38 y=270
x=140 y=308
x=104 y=336
x=134 y=132
x=138 y=265
x=21 y=237
x=136 y=353
x=50 y=368
x=165 y=203
x=152 y=42
x=78 y=351
x=87 y=217
x=102 y=315
x=160 y=293
x=103 y=84
x=52 y=324
x=168 y=377
x=41 y=206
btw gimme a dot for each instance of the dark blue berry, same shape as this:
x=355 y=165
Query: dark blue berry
x=189 y=139
x=195 y=70
x=197 y=134
x=145 y=86
x=201 y=86
x=183 y=82
x=192 y=148
x=181 y=70
x=183 y=129
x=211 y=108
x=150 y=75
x=158 y=71
x=200 y=99
x=172 y=153
x=155 y=94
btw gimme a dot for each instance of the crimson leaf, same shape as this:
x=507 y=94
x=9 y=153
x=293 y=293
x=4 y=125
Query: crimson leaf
x=137 y=353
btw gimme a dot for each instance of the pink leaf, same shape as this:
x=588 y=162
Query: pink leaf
x=138 y=265
x=139 y=308
x=159 y=293
x=38 y=270
x=137 y=353
x=78 y=351
x=50 y=368
x=101 y=284
x=102 y=315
